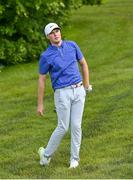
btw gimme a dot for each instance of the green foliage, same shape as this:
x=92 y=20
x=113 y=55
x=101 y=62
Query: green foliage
x=72 y=4
x=21 y=26
x=93 y=2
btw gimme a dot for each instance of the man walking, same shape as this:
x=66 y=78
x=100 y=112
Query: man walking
x=61 y=60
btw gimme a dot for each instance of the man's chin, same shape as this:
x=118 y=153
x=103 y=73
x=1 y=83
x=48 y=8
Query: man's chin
x=57 y=41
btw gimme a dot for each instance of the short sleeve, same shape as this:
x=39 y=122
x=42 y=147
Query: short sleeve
x=43 y=65
x=79 y=54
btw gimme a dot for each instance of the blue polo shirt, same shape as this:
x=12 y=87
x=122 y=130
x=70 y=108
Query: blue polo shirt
x=62 y=64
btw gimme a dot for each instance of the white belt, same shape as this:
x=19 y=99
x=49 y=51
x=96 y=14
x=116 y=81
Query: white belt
x=77 y=85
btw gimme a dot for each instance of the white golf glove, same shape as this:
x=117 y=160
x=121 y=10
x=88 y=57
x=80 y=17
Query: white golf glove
x=89 y=89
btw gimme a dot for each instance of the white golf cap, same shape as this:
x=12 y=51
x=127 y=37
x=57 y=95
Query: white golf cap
x=49 y=28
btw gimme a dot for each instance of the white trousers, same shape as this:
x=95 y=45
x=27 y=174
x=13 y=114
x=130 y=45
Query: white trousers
x=69 y=103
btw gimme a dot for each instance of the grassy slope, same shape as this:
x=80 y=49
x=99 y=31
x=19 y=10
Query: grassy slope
x=105 y=34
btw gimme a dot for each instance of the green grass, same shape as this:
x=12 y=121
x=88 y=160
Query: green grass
x=105 y=35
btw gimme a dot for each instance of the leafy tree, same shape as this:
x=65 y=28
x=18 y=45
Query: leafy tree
x=93 y=2
x=21 y=26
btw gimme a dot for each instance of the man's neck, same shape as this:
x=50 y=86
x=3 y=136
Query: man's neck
x=57 y=44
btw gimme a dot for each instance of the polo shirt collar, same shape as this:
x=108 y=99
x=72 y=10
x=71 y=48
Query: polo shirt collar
x=56 y=47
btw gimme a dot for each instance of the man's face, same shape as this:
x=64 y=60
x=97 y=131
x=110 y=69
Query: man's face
x=55 y=36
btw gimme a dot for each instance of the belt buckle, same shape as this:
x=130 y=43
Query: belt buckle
x=73 y=86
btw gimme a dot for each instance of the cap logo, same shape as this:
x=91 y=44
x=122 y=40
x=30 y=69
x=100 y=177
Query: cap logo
x=51 y=26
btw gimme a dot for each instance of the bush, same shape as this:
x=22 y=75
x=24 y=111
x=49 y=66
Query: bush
x=21 y=26
x=93 y=2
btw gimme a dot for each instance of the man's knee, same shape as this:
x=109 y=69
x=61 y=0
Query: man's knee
x=76 y=127
x=62 y=130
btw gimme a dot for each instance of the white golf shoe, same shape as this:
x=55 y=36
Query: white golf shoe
x=74 y=163
x=43 y=160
